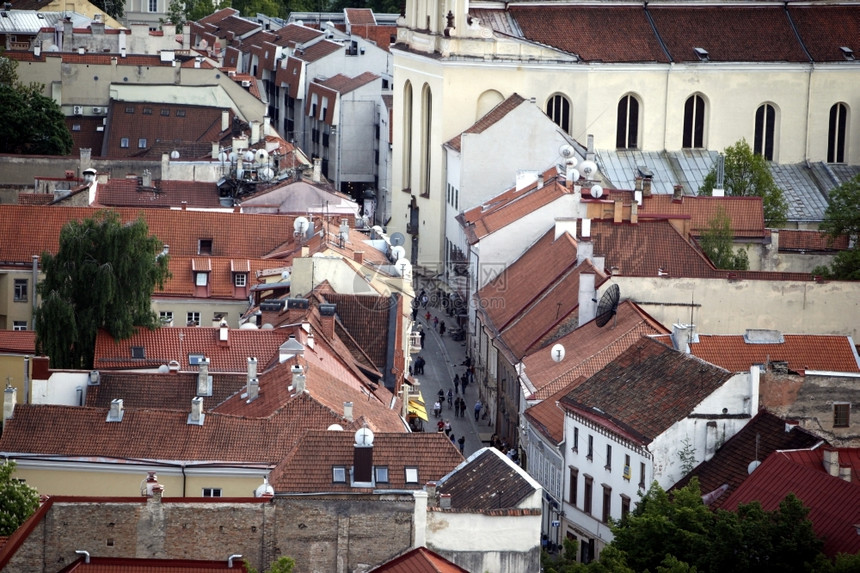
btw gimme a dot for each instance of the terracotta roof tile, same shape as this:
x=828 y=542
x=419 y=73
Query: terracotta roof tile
x=490 y=118
x=366 y=319
x=746 y=214
x=219 y=15
x=297 y=34
x=129 y=192
x=647 y=389
x=825 y=29
x=801 y=351
x=221 y=280
x=35 y=198
x=345 y=84
x=588 y=349
x=419 y=560
x=810 y=241
x=759 y=438
x=142 y=565
x=834 y=504
x=594 y=33
x=160 y=391
x=359 y=16
x=382 y=36
x=308 y=468
x=317 y=51
x=471 y=490
x=85 y=133
x=18 y=341
x=234 y=26
x=547 y=417
x=728 y=33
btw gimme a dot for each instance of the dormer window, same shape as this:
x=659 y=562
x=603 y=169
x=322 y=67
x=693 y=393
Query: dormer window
x=240 y=280
x=338 y=474
x=847 y=52
x=204 y=247
x=702 y=54
x=201 y=279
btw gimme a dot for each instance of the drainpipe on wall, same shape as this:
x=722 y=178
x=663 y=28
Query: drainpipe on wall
x=35 y=282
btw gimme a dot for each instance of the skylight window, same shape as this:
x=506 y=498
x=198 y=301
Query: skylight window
x=702 y=54
x=411 y=475
x=847 y=53
x=338 y=474
x=138 y=352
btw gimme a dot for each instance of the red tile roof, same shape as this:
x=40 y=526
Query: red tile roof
x=760 y=437
x=160 y=391
x=746 y=214
x=18 y=341
x=219 y=15
x=175 y=343
x=181 y=229
x=824 y=29
x=133 y=565
x=419 y=560
x=221 y=276
x=594 y=33
x=547 y=417
x=834 y=504
x=85 y=133
x=588 y=349
x=646 y=390
x=801 y=352
x=317 y=51
x=345 y=84
x=365 y=317
x=296 y=34
x=359 y=16
x=129 y=192
x=470 y=489
x=490 y=118
x=308 y=467
x=729 y=33
x=810 y=241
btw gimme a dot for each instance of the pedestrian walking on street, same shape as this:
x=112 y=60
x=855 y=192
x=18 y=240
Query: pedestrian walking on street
x=462 y=408
x=450 y=399
x=422 y=334
x=447 y=427
x=442 y=329
x=478 y=407
x=437 y=410
x=435 y=322
x=464 y=381
x=462 y=443
x=453 y=437
x=457 y=383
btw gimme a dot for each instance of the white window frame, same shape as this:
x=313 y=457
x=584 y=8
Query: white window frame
x=240 y=280
x=201 y=278
x=19 y=325
x=192 y=317
x=211 y=492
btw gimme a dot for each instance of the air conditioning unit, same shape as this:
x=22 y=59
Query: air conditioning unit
x=246 y=83
x=98 y=110
x=78 y=110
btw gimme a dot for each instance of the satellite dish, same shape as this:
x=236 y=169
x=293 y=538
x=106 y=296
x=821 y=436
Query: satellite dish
x=573 y=174
x=398 y=252
x=608 y=305
x=566 y=151
x=248 y=326
x=405 y=268
x=335 y=428
x=249 y=156
x=266 y=174
x=261 y=156
x=397 y=239
x=752 y=466
x=588 y=168
x=557 y=353
x=596 y=191
x=232 y=157
x=174 y=154
x=203 y=44
x=222 y=157
x=300 y=225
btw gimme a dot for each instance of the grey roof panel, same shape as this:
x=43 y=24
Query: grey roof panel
x=687 y=167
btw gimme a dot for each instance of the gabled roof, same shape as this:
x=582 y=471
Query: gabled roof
x=760 y=437
x=419 y=560
x=296 y=33
x=490 y=118
x=300 y=198
x=180 y=229
x=594 y=33
x=486 y=481
x=802 y=352
x=547 y=417
x=834 y=504
x=317 y=51
x=365 y=317
x=308 y=467
x=746 y=214
x=234 y=26
x=219 y=15
x=588 y=349
x=544 y=263
x=646 y=390
x=154 y=390
x=344 y=84
x=18 y=342
x=221 y=278
x=162 y=345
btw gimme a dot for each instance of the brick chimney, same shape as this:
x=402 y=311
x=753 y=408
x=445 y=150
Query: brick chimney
x=204 y=380
x=196 y=416
x=634 y=212
x=327 y=312
x=430 y=488
x=445 y=501
x=358 y=256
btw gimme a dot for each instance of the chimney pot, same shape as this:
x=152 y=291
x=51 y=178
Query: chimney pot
x=445 y=501
x=204 y=380
x=347 y=411
x=298 y=379
x=430 y=488
x=358 y=256
x=196 y=416
x=252 y=367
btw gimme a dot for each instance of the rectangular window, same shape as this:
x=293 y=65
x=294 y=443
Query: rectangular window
x=338 y=474
x=590 y=454
x=625 y=506
x=192 y=319
x=165 y=111
x=123 y=143
x=607 y=503
x=381 y=474
x=201 y=279
x=211 y=492
x=180 y=113
x=575 y=440
x=141 y=143
x=166 y=316
x=76 y=127
x=153 y=5
x=19 y=325
x=240 y=279
x=138 y=352
x=574 y=484
x=642 y=475
x=21 y=287
x=626 y=474
x=129 y=109
x=587 y=493
x=147 y=111
x=204 y=247
x=411 y=475
x=608 y=457
x=195 y=359
x=841 y=415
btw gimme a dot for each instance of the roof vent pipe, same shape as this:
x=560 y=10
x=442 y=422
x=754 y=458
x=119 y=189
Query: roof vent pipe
x=86 y=554
x=231 y=558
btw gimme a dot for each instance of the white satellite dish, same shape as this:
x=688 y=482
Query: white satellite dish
x=240 y=173
x=596 y=191
x=203 y=44
x=300 y=225
x=232 y=157
x=588 y=168
x=249 y=156
x=557 y=353
x=222 y=157
x=405 y=268
x=566 y=151
x=261 y=156
x=573 y=174
x=266 y=174
x=398 y=252
x=174 y=154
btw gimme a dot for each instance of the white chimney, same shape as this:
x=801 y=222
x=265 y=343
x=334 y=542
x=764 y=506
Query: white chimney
x=298 y=379
x=681 y=337
x=223 y=331
x=845 y=473
x=147 y=178
x=638 y=196
x=589 y=150
x=317 y=173
x=831 y=462
x=347 y=411
x=255 y=132
x=310 y=340
x=253 y=389
x=225 y=119
x=115 y=413
x=10 y=398
x=204 y=380
x=196 y=415
x=252 y=368
x=587 y=295
x=586 y=229
x=718 y=192
x=565 y=225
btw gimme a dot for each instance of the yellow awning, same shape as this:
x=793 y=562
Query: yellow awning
x=418 y=410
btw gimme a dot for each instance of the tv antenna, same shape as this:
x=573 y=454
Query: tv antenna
x=608 y=305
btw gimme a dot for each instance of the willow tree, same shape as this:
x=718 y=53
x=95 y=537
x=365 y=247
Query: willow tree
x=102 y=276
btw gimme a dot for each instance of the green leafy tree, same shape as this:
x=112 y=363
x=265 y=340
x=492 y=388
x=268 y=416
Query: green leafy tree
x=280 y=565
x=251 y=8
x=113 y=8
x=747 y=175
x=18 y=501
x=842 y=217
x=32 y=123
x=179 y=12
x=102 y=276
x=717 y=241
